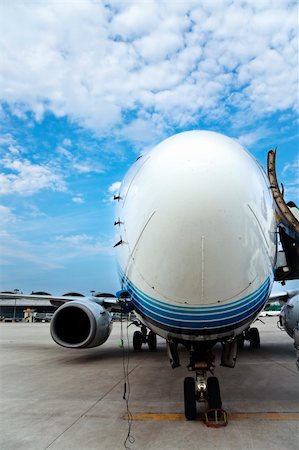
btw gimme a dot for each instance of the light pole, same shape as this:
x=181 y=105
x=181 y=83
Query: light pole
x=16 y=291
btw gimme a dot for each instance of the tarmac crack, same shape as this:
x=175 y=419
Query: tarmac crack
x=89 y=409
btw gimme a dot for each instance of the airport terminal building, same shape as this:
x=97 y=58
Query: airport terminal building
x=26 y=310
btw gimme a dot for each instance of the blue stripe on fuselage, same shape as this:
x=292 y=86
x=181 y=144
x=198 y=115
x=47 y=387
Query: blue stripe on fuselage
x=196 y=318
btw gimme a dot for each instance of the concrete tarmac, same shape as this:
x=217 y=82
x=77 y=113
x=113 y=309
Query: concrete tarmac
x=59 y=399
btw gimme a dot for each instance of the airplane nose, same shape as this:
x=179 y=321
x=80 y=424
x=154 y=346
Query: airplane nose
x=194 y=217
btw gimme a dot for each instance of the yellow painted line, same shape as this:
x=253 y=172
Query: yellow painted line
x=157 y=416
x=232 y=416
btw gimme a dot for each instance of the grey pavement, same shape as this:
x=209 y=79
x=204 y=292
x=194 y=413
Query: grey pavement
x=59 y=399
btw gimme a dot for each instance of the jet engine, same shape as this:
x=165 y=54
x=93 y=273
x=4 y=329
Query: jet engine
x=289 y=320
x=289 y=315
x=81 y=324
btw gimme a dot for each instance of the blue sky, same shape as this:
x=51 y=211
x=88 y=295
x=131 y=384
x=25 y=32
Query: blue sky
x=87 y=85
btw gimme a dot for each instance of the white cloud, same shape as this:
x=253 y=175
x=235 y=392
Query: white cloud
x=65 y=153
x=25 y=172
x=78 y=199
x=290 y=172
x=33 y=211
x=67 y=142
x=168 y=62
x=15 y=249
x=6 y=215
x=74 y=239
x=84 y=245
x=141 y=131
x=32 y=241
x=78 y=163
x=24 y=178
x=87 y=167
x=114 y=187
x=250 y=138
x=113 y=190
x=292 y=167
x=7 y=140
x=134 y=21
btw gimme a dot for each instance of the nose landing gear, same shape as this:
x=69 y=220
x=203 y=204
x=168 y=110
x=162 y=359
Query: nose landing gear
x=203 y=389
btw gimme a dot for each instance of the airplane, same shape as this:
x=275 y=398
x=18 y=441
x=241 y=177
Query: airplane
x=198 y=226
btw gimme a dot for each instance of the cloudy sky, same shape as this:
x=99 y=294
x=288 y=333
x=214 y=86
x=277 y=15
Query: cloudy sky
x=87 y=85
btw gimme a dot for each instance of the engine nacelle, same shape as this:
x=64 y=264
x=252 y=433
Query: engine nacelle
x=289 y=315
x=81 y=324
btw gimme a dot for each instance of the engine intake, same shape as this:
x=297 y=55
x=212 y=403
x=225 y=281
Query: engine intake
x=81 y=324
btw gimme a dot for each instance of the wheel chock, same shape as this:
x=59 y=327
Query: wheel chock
x=215 y=418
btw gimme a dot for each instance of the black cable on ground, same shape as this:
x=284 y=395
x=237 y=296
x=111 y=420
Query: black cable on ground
x=127 y=388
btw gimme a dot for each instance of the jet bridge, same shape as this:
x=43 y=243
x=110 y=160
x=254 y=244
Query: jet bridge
x=287 y=214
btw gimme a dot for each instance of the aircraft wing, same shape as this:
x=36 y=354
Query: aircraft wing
x=108 y=301
x=278 y=297
x=283 y=296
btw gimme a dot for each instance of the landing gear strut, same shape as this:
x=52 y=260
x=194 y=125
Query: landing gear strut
x=142 y=337
x=252 y=335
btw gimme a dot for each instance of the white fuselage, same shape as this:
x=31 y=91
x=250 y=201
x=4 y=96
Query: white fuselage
x=198 y=237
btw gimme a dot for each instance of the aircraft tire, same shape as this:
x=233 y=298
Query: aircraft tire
x=254 y=338
x=240 y=341
x=152 y=341
x=190 y=398
x=137 y=340
x=214 y=393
